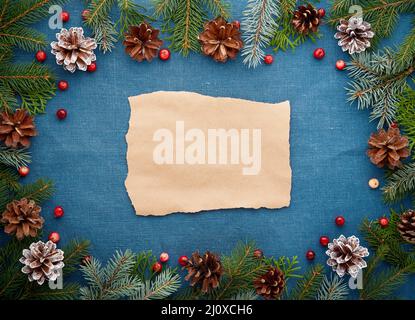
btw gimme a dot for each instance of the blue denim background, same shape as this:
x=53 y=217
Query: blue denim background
x=85 y=154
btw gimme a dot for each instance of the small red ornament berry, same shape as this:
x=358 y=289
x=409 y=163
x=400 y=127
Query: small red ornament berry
x=310 y=255
x=258 y=253
x=394 y=125
x=164 y=54
x=157 y=267
x=268 y=59
x=92 y=67
x=340 y=65
x=63 y=85
x=321 y=12
x=24 y=171
x=65 y=16
x=61 y=114
x=58 y=212
x=164 y=257
x=324 y=241
x=237 y=24
x=339 y=221
x=183 y=260
x=319 y=53
x=41 y=56
x=85 y=14
x=86 y=259
x=384 y=222
x=54 y=237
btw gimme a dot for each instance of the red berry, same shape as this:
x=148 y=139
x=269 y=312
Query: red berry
x=258 y=253
x=321 y=12
x=340 y=221
x=65 y=16
x=324 y=241
x=183 y=260
x=384 y=222
x=340 y=65
x=164 y=54
x=63 y=85
x=61 y=114
x=54 y=237
x=85 y=14
x=237 y=24
x=310 y=255
x=319 y=53
x=58 y=212
x=24 y=171
x=157 y=267
x=268 y=59
x=41 y=56
x=164 y=257
x=394 y=125
x=86 y=259
x=92 y=67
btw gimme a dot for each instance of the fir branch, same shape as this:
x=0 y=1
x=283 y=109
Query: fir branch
x=258 y=26
x=308 y=286
x=39 y=191
x=405 y=115
x=7 y=98
x=245 y=295
x=69 y=291
x=74 y=253
x=218 y=8
x=164 y=285
x=14 y=157
x=23 y=37
x=240 y=269
x=130 y=14
x=400 y=184
x=333 y=288
x=8 y=184
x=377 y=82
x=142 y=267
x=289 y=266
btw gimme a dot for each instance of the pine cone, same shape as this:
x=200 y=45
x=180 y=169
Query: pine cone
x=271 y=284
x=204 y=270
x=406 y=226
x=220 y=40
x=22 y=218
x=346 y=256
x=142 y=42
x=354 y=35
x=387 y=148
x=306 y=19
x=17 y=128
x=73 y=50
x=42 y=261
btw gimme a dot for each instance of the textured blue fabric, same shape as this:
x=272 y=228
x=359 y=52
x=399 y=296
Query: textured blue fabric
x=85 y=154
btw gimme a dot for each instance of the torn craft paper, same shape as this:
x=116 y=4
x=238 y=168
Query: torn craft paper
x=188 y=152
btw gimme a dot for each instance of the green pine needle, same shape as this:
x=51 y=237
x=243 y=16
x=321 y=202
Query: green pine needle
x=14 y=157
x=333 y=288
x=400 y=184
x=307 y=287
x=39 y=191
x=405 y=115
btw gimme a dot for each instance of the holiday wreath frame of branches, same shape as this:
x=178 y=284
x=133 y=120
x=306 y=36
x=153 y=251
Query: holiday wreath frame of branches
x=380 y=80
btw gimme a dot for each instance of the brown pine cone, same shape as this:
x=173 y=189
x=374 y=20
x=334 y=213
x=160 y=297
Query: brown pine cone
x=306 y=19
x=22 y=218
x=388 y=148
x=204 y=270
x=406 y=226
x=221 y=40
x=142 y=42
x=271 y=284
x=16 y=129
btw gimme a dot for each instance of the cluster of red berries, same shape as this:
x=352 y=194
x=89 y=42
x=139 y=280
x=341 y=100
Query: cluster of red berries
x=164 y=257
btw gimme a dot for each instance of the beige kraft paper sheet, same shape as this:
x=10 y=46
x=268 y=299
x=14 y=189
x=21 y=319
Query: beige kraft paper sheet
x=180 y=158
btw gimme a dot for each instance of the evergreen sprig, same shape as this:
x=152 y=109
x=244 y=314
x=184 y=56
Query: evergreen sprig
x=184 y=20
x=405 y=115
x=106 y=31
x=163 y=286
x=377 y=82
x=307 y=287
x=111 y=282
x=333 y=288
x=258 y=26
x=39 y=191
x=14 y=157
x=400 y=184
x=285 y=36
x=381 y=14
